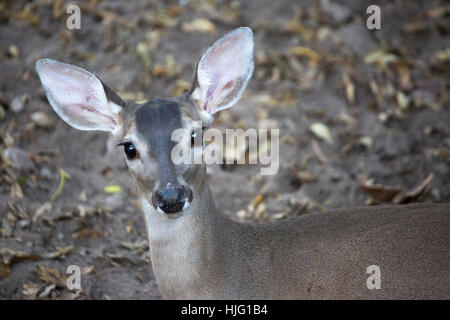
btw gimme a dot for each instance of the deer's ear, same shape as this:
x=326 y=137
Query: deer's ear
x=79 y=97
x=224 y=71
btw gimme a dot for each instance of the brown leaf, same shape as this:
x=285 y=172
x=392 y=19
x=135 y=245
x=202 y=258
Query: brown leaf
x=30 y=290
x=87 y=270
x=416 y=192
x=9 y=256
x=294 y=26
x=349 y=89
x=136 y=246
x=61 y=251
x=5 y=270
x=169 y=70
x=306 y=176
x=57 y=10
x=109 y=17
x=16 y=191
x=301 y=51
x=51 y=276
x=380 y=192
x=200 y=25
x=87 y=232
x=27 y=15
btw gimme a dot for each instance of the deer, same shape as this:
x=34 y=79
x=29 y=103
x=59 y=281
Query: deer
x=199 y=253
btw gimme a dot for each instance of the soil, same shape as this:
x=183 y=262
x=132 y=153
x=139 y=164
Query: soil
x=381 y=94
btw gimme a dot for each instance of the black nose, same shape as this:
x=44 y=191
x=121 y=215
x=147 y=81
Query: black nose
x=172 y=199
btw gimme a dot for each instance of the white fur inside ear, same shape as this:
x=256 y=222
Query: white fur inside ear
x=224 y=71
x=114 y=108
x=206 y=118
x=77 y=96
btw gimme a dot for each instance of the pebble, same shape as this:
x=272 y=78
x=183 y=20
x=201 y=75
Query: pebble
x=19 y=157
x=115 y=201
x=335 y=11
x=42 y=119
x=46 y=173
x=18 y=103
x=23 y=223
x=357 y=37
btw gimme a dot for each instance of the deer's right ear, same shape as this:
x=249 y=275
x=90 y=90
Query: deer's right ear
x=79 y=97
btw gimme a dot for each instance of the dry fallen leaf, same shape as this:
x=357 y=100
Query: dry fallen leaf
x=306 y=176
x=30 y=290
x=87 y=270
x=402 y=100
x=416 y=192
x=60 y=252
x=443 y=55
x=200 y=25
x=301 y=51
x=321 y=131
x=169 y=70
x=87 y=232
x=266 y=99
x=137 y=97
x=381 y=192
x=46 y=292
x=51 y=276
x=349 y=89
x=181 y=86
x=5 y=270
x=296 y=27
x=16 y=191
x=136 y=246
x=394 y=194
x=26 y=14
x=381 y=57
x=9 y=256
x=45 y=208
x=143 y=54
x=42 y=119
x=13 y=51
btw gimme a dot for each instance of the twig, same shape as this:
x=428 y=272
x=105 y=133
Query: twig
x=318 y=152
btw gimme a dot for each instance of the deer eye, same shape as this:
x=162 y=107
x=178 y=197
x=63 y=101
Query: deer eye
x=130 y=150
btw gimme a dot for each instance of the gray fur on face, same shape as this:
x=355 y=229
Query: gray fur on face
x=155 y=122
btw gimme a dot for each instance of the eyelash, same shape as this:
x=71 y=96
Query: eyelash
x=130 y=150
x=194 y=135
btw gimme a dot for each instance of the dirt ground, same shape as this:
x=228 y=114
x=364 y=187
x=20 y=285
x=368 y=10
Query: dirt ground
x=380 y=98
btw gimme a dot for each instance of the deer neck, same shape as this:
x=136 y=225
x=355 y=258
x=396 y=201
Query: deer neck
x=182 y=249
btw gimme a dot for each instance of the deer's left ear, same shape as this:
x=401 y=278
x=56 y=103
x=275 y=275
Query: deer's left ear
x=224 y=71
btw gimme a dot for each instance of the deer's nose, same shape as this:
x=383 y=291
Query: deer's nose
x=172 y=199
